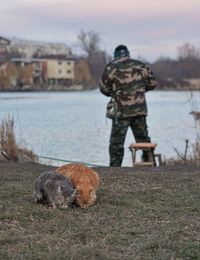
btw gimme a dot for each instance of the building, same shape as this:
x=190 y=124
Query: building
x=4 y=47
x=37 y=49
x=59 y=70
x=51 y=70
x=54 y=72
x=8 y=76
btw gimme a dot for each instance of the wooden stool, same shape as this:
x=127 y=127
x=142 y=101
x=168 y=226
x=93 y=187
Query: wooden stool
x=149 y=147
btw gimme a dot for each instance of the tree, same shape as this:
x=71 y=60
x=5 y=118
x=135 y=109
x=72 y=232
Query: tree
x=179 y=72
x=189 y=60
x=90 y=44
x=188 y=51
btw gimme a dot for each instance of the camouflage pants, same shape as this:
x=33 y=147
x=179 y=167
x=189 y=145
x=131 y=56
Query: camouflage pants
x=118 y=134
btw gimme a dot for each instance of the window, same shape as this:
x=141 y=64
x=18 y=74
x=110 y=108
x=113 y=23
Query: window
x=69 y=71
x=60 y=63
x=60 y=71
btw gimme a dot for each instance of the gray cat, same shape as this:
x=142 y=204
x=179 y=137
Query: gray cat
x=55 y=189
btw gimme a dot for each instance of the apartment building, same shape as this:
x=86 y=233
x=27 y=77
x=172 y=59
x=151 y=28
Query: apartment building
x=59 y=70
x=49 y=70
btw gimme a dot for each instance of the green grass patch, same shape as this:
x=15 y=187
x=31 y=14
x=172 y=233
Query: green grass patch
x=138 y=215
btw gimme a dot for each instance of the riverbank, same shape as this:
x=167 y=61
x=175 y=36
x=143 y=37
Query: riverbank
x=140 y=213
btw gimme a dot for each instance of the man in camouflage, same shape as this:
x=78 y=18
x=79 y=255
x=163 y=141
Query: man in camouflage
x=126 y=80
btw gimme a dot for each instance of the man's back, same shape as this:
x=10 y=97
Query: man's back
x=128 y=80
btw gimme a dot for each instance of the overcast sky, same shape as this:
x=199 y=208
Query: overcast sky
x=150 y=28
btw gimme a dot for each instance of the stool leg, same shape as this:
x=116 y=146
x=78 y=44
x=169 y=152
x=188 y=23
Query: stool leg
x=134 y=156
x=133 y=153
x=159 y=159
x=153 y=157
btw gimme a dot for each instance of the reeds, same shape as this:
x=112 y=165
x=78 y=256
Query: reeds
x=9 y=148
x=194 y=103
x=191 y=154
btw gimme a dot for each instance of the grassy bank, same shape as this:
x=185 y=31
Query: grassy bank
x=147 y=213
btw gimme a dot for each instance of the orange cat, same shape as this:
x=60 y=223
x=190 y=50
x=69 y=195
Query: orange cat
x=84 y=180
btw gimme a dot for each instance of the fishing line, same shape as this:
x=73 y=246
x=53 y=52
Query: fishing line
x=62 y=160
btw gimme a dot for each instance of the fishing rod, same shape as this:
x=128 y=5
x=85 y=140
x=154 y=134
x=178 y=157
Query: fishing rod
x=69 y=161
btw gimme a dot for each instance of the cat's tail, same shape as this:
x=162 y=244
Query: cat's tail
x=37 y=194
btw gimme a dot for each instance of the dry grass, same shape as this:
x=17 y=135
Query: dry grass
x=7 y=138
x=8 y=146
x=191 y=154
x=144 y=213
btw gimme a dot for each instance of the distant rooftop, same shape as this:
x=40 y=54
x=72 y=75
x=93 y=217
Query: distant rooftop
x=4 y=40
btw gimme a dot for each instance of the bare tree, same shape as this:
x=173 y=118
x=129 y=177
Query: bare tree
x=180 y=72
x=188 y=51
x=89 y=43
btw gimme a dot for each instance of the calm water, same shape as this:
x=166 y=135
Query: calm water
x=72 y=125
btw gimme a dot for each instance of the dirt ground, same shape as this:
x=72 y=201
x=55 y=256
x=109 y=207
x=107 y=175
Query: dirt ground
x=140 y=213
x=7 y=167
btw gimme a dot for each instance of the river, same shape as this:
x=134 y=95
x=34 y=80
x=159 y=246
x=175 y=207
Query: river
x=72 y=125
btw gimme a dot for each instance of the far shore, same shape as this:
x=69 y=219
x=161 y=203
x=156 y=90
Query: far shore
x=88 y=89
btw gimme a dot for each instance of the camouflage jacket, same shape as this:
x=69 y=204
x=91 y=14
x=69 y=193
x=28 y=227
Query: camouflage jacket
x=126 y=80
